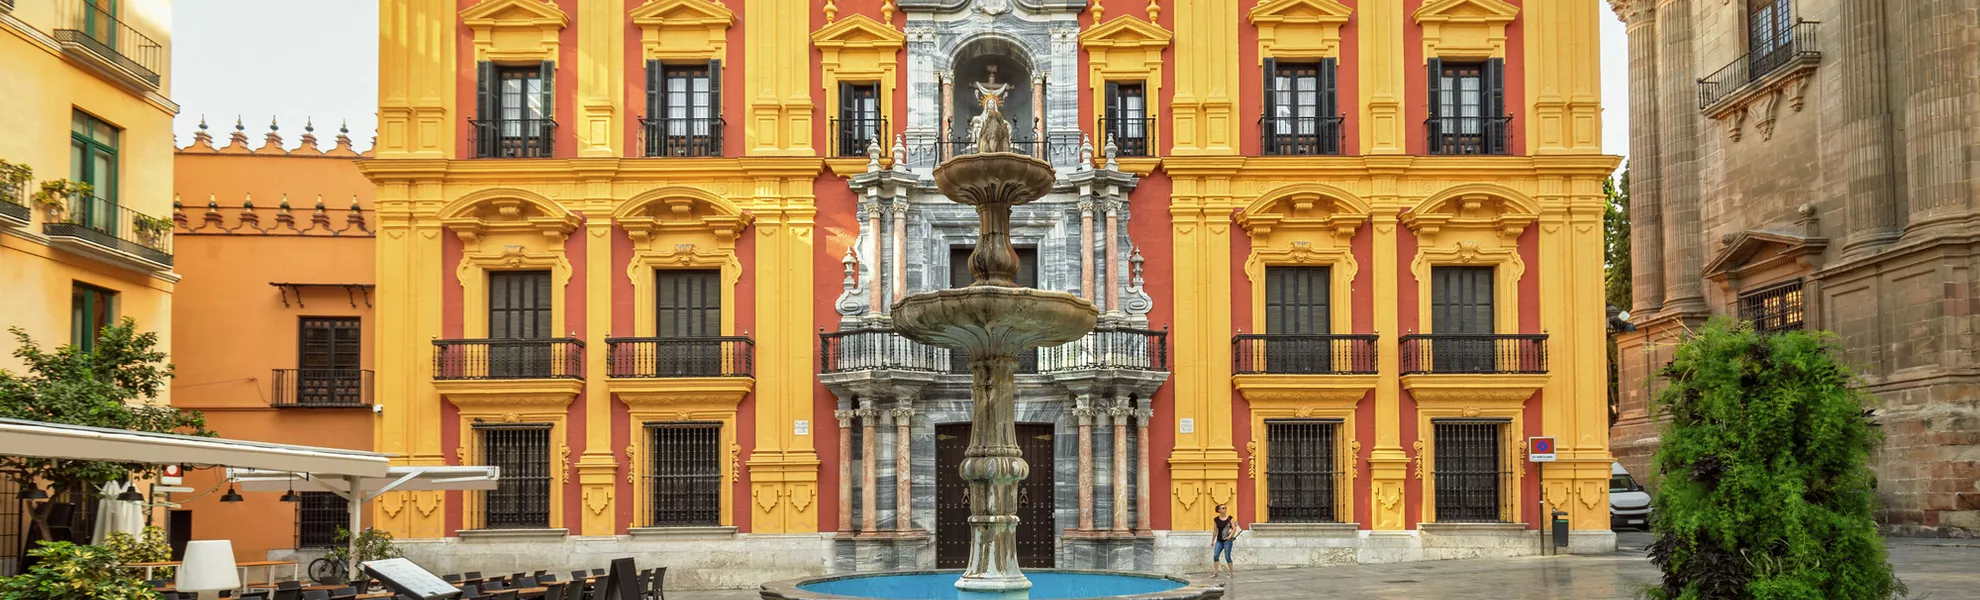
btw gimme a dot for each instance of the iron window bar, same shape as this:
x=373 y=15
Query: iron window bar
x=683 y=473
x=1516 y=353
x=648 y=357
x=508 y=358
x=512 y=138
x=14 y=203
x=317 y=518
x=521 y=499
x=1304 y=354
x=1472 y=475
x=1130 y=135
x=322 y=388
x=1302 y=136
x=1776 y=309
x=681 y=137
x=1469 y=135
x=852 y=136
x=1302 y=470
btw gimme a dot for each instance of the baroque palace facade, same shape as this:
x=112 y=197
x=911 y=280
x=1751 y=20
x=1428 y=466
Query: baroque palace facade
x=1812 y=165
x=641 y=256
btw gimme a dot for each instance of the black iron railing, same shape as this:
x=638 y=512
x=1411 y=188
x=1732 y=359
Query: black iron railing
x=1301 y=136
x=727 y=356
x=1471 y=472
x=1109 y=348
x=1301 y=474
x=1130 y=135
x=512 y=138
x=1303 y=354
x=1469 y=135
x=14 y=202
x=683 y=474
x=550 y=358
x=872 y=349
x=86 y=24
x=1794 y=44
x=851 y=137
x=107 y=224
x=321 y=388
x=318 y=517
x=1060 y=149
x=681 y=137
x=1516 y=353
x=1774 y=310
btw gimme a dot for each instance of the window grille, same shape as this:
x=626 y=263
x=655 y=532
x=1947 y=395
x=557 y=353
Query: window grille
x=1774 y=309
x=1301 y=472
x=521 y=498
x=684 y=473
x=317 y=518
x=1472 y=475
x=329 y=370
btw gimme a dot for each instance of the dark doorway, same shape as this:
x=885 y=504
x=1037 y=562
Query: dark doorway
x=1036 y=546
x=178 y=531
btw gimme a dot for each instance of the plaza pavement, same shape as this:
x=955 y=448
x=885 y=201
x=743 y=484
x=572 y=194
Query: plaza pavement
x=1938 y=569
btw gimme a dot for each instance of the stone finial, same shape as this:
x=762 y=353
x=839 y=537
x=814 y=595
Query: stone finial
x=1134 y=268
x=831 y=11
x=356 y=218
x=319 y=218
x=237 y=141
x=212 y=217
x=1113 y=152
x=284 y=218
x=1154 y=11
x=343 y=147
x=309 y=138
x=900 y=153
x=1085 y=151
x=851 y=263
x=179 y=210
x=872 y=155
x=202 y=141
x=1099 y=12
x=271 y=143
x=887 y=12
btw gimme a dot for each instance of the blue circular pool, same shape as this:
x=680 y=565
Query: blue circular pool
x=941 y=585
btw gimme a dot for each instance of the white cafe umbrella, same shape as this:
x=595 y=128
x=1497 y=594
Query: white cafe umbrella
x=117 y=515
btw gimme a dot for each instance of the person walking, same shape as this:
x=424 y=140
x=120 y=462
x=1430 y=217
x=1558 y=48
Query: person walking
x=1226 y=535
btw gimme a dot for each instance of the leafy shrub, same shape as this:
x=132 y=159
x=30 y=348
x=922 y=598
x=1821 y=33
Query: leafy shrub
x=152 y=547
x=1766 y=490
x=372 y=544
x=75 y=572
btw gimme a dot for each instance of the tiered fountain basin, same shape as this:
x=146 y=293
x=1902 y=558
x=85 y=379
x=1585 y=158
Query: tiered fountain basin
x=1047 y=584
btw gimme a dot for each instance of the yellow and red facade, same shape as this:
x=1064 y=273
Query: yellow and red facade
x=775 y=214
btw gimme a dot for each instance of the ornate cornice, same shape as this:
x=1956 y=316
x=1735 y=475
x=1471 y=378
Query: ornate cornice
x=1472 y=390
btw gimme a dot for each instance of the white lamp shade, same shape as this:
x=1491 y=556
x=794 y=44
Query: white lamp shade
x=209 y=566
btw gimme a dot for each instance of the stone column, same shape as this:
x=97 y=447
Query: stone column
x=1677 y=106
x=1121 y=413
x=1144 y=522
x=1086 y=248
x=900 y=247
x=1645 y=202
x=1867 y=152
x=870 y=244
x=903 y=473
x=869 y=493
x=1085 y=415
x=1936 y=112
x=947 y=101
x=845 y=470
x=1038 y=118
x=1115 y=207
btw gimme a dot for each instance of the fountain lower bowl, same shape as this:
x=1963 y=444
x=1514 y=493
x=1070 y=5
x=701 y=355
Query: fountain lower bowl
x=1046 y=584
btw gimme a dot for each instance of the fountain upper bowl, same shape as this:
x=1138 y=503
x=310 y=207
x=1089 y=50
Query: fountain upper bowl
x=991 y=320
x=994 y=178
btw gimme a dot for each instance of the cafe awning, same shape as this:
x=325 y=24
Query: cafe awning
x=76 y=442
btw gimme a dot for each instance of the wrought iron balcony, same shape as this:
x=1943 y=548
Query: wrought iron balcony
x=512 y=138
x=1061 y=149
x=104 y=228
x=1109 y=348
x=548 y=358
x=883 y=349
x=1130 y=136
x=14 y=204
x=1469 y=135
x=89 y=30
x=651 y=357
x=1486 y=353
x=877 y=349
x=1795 y=47
x=850 y=137
x=1303 y=354
x=1301 y=136
x=681 y=136
x=322 y=388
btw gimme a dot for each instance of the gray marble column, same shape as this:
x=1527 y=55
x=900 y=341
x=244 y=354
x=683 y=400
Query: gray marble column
x=1866 y=140
x=1121 y=412
x=1645 y=202
x=1115 y=206
x=869 y=240
x=903 y=478
x=1677 y=108
x=1086 y=248
x=900 y=213
x=869 y=501
x=845 y=469
x=1937 y=107
x=1144 y=522
x=1085 y=414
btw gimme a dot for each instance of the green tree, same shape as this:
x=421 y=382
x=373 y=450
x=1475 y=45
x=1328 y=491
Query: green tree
x=113 y=385
x=1766 y=486
x=1615 y=242
x=73 y=572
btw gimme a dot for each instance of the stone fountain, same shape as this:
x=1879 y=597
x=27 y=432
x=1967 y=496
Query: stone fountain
x=993 y=320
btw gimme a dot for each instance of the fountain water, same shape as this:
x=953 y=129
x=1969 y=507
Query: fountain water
x=993 y=320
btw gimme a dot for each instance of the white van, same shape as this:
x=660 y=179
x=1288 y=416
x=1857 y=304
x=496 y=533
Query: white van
x=1629 y=505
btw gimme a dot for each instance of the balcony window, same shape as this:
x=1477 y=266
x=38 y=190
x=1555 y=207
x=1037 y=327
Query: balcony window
x=92 y=32
x=516 y=116
x=329 y=368
x=521 y=499
x=1126 y=121
x=1775 y=309
x=93 y=161
x=684 y=474
x=859 y=124
x=1473 y=476
x=684 y=108
x=91 y=309
x=1301 y=473
x=1467 y=108
x=1302 y=115
x=1769 y=35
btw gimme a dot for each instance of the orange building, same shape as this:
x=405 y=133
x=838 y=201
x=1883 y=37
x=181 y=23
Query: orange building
x=275 y=250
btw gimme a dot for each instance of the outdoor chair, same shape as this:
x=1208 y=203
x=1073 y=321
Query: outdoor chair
x=578 y=575
x=597 y=571
x=505 y=595
x=554 y=591
x=573 y=592
x=316 y=595
x=470 y=591
x=525 y=582
x=454 y=578
x=254 y=596
x=655 y=592
x=546 y=578
x=541 y=572
x=474 y=575
x=294 y=593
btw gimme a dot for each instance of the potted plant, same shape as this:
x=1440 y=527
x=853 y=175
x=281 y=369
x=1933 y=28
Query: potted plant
x=150 y=230
x=372 y=544
x=13 y=181
x=54 y=197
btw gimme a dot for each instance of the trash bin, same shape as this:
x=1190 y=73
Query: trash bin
x=1560 y=529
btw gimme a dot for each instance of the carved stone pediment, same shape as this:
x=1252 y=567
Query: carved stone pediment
x=515 y=30
x=1757 y=250
x=1472 y=29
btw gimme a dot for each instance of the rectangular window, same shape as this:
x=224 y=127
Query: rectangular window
x=1301 y=470
x=1462 y=320
x=521 y=499
x=1296 y=300
x=329 y=367
x=91 y=309
x=1769 y=35
x=1126 y=121
x=860 y=123
x=519 y=308
x=516 y=117
x=684 y=473
x=688 y=306
x=1774 y=309
x=684 y=108
x=93 y=160
x=317 y=518
x=1467 y=107
x=1301 y=114
x=1472 y=474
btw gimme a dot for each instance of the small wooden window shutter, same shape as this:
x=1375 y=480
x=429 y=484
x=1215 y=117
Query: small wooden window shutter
x=848 y=104
x=1432 y=126
x=1113 y=105
x=715 y=106
x=1495 y=106
x=548 y=72
x=486 y=108
x=1268 y=121
x=1329 y=107
x=656 y=92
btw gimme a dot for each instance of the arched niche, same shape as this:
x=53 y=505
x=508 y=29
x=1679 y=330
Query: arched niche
x=679 y=227
x=973 y=63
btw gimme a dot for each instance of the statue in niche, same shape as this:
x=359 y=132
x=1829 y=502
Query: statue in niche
x=988 y=129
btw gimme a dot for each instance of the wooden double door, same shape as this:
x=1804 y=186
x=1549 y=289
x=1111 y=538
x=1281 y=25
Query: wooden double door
x=1036 y=547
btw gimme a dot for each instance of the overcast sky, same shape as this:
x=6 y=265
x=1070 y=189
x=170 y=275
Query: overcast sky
x=295 y=60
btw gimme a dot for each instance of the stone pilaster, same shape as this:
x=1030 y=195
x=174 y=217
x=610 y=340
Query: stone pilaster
x=870 y=245
x=845 y=469
x=1086 y=248
x=1866 y=139
x=869 y=487
x=1115 y=207
x=899 y=214
x=1085 y=414
x=1646 y=207
x=1936 y=111
x=1677 y=107
x=903 y=473
x=1144 y=521
x=1121 y=412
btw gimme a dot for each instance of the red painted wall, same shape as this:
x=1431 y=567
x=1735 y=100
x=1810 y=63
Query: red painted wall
x=837 y=230
x=574 y=425
x=1408 y=320
x=1148 y=225
x=1241 y=434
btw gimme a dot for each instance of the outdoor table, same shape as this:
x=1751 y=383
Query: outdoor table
x=528 y=592
x=148 y=566
x=295 y=571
